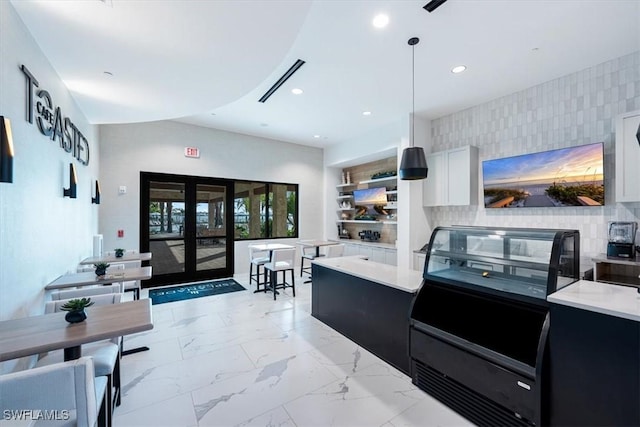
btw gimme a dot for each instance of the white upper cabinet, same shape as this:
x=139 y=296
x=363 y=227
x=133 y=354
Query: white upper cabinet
x=452 y=179
x=628 y=157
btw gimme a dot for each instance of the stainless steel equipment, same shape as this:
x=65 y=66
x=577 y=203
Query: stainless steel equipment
x=621 y=235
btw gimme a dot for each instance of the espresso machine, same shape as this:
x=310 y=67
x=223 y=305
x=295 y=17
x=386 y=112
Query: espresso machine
x=621 y=239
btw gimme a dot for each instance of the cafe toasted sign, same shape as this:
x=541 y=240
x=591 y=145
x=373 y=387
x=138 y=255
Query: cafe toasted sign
x=52 y=123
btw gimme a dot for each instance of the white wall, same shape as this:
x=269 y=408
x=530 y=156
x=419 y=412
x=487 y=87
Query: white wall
x=128 y=149
x=42 y=234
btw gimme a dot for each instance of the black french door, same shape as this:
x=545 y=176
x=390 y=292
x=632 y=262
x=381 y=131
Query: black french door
x=186 y=222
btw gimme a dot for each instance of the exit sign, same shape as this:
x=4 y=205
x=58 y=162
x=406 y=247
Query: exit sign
x=192 y=152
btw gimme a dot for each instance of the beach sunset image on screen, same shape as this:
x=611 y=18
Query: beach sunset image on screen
x=571 y=176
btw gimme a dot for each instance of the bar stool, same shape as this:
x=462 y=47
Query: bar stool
x=306 y=253
x=282 y=260
x=259 y=259
x=334 y=251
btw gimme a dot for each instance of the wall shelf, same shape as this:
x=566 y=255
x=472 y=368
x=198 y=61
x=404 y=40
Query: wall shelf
x=352 y=184
x=374 y=181
x=345 y=197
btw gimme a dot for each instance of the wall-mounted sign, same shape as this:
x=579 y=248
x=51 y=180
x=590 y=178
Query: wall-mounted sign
x=52 y=123
x=193 y=152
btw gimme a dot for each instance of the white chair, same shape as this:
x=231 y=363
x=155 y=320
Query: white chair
x=106 y=354
x=87 y=291
x=334 y=251
x=129 y=285
x=282 y=260
x=258 y=259
x=306 y=253
x=69 y=388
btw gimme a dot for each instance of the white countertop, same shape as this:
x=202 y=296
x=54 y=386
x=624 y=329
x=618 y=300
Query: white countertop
x=365 y=243
x=613 y=300
x=389 y=275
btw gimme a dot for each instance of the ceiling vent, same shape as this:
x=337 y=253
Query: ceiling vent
x=299 y=63
x=433 y=5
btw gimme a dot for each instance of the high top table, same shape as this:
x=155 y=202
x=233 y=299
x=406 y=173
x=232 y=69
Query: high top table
x=269 y=247
x=38 y=334
x=72 y=280
x=314 y=244
x=142 y=256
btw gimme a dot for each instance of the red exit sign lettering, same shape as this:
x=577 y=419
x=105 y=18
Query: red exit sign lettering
x=192 y=152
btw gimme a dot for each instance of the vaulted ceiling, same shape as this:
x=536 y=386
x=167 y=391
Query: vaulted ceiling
x=208 y=62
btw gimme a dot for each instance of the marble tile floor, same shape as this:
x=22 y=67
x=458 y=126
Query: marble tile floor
x=242 y=359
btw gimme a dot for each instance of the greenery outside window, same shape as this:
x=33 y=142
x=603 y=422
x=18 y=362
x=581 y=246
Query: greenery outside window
x=265 y=210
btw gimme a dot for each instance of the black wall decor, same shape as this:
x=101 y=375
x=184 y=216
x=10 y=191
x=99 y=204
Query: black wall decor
x=73 y=183
x=96 y=200
x=51 y=122
x=6 y=150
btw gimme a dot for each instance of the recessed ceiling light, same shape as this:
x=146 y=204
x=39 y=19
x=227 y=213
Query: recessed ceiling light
x=296 y=91
x=366 y=113
x=316 y=136
x=458 y=69
x=264 y=125
x=380 y=21
x=213 y=114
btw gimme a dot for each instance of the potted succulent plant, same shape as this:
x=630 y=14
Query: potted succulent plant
x=101 y=268
x=119 y=252
x=75 y=308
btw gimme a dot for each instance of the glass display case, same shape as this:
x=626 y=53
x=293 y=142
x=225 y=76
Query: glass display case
x=479 y=322
x=527 y=262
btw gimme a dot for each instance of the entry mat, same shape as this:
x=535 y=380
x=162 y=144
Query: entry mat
x=194 y=290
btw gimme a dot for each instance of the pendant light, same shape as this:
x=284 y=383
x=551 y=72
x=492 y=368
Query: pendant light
x=413 y=164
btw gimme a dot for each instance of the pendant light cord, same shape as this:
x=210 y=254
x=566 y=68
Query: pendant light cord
x=413 y=41
x=413 y=92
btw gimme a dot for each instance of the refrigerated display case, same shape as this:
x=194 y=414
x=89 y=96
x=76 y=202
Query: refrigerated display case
x=480 y=320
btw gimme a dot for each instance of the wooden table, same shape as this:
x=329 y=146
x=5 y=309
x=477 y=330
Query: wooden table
x=72 y=280
x=38 y=334
x=143 y=256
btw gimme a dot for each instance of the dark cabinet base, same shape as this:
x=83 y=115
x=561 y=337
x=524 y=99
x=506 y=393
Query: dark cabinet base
x=595 y=369
x=374 y=316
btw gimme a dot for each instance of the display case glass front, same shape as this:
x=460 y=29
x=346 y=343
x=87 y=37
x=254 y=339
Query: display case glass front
x=527 y=262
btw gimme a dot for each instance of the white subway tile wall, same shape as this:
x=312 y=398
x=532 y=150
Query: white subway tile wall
x=576 y=109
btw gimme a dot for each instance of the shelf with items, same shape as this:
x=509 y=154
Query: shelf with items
x=366 y=221
x=361 y=207
x=379 y=180
x=350 y=184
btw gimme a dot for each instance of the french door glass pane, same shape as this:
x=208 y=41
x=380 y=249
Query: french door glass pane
x=166 y=226
x=211 y=229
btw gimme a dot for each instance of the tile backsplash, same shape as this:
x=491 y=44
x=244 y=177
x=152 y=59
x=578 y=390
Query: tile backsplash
x=576 y=109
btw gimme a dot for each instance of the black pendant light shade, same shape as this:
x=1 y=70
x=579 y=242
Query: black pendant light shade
x=638 y=134
x=6 y=150
x=413 y=164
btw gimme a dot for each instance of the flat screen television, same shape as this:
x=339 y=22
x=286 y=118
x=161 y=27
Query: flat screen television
x=571 y=176
x=370 y=201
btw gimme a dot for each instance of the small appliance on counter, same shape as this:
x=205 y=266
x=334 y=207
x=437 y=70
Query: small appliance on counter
x=343 y=233
x=621 y=237
x=369 y=235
